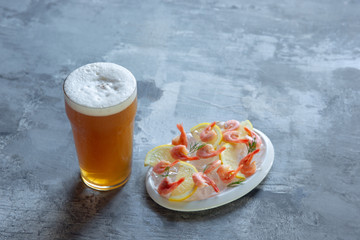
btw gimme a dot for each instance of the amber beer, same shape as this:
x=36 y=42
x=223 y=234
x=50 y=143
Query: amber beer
x=101 y=102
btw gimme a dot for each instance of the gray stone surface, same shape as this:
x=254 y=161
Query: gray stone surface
x=291 y=67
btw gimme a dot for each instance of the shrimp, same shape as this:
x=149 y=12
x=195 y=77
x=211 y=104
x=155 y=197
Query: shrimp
x=163 y=165
x=180 y=152
x=234 y=137
x=182 y=139
x=254 y=136
x=207 y=151
x=201 y=180
x=249 y=167
x=212 y=166
x=231 y=125
x=248 y=170
x=166 y=186
x=247 y=159
x=225 y=174
x=208 y=134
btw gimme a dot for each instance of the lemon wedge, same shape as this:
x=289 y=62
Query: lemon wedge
x=157 y=154
x=187 y=187
x=196 y=131
x=230 y=156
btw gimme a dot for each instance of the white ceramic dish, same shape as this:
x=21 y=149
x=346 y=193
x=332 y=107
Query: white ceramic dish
x=229 y=195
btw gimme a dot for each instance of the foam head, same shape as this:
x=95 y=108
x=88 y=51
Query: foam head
x=100 y=89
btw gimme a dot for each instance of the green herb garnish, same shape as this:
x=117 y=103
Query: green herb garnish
x=196 y=146
x=251 y=146
x=233 y=184
x=167 y=172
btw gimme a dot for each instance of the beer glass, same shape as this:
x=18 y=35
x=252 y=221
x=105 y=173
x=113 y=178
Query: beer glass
x=101 y=103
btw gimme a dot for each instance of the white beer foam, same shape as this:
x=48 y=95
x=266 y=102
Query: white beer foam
x=100 y=89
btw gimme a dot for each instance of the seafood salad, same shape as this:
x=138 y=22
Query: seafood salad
x=208 y=160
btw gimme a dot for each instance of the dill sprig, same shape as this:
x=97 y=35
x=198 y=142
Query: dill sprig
x=196 y=146
x=167 y=172
x=251 y=145
x=233 y=184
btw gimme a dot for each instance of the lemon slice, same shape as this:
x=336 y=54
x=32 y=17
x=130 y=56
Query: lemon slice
x=230 y=156
x=157 y=154
x=196 y=131
x=247 y=124
x=187 y=187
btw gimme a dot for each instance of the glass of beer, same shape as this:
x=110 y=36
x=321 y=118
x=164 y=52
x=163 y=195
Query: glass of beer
x=101 y=102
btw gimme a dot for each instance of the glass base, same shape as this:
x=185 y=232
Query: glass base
x=104 y=188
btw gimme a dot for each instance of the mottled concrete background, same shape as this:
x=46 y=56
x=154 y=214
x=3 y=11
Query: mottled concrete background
x=291 y=67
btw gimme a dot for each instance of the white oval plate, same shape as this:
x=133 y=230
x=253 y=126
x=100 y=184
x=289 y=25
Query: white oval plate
x=224 y=197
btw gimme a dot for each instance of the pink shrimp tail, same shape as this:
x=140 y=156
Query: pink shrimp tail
x=201 y=180
x=220 y=150
x=212 y=166
x=238 y=169
x=248 y=131
x=182 y=139
x=207 y=151
x=162 y=165
x=182 y=135
x=192 y=158
x=247 y=159
x=166 y=186
x=226 y=175
x=211 y=182
x=180 y=152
